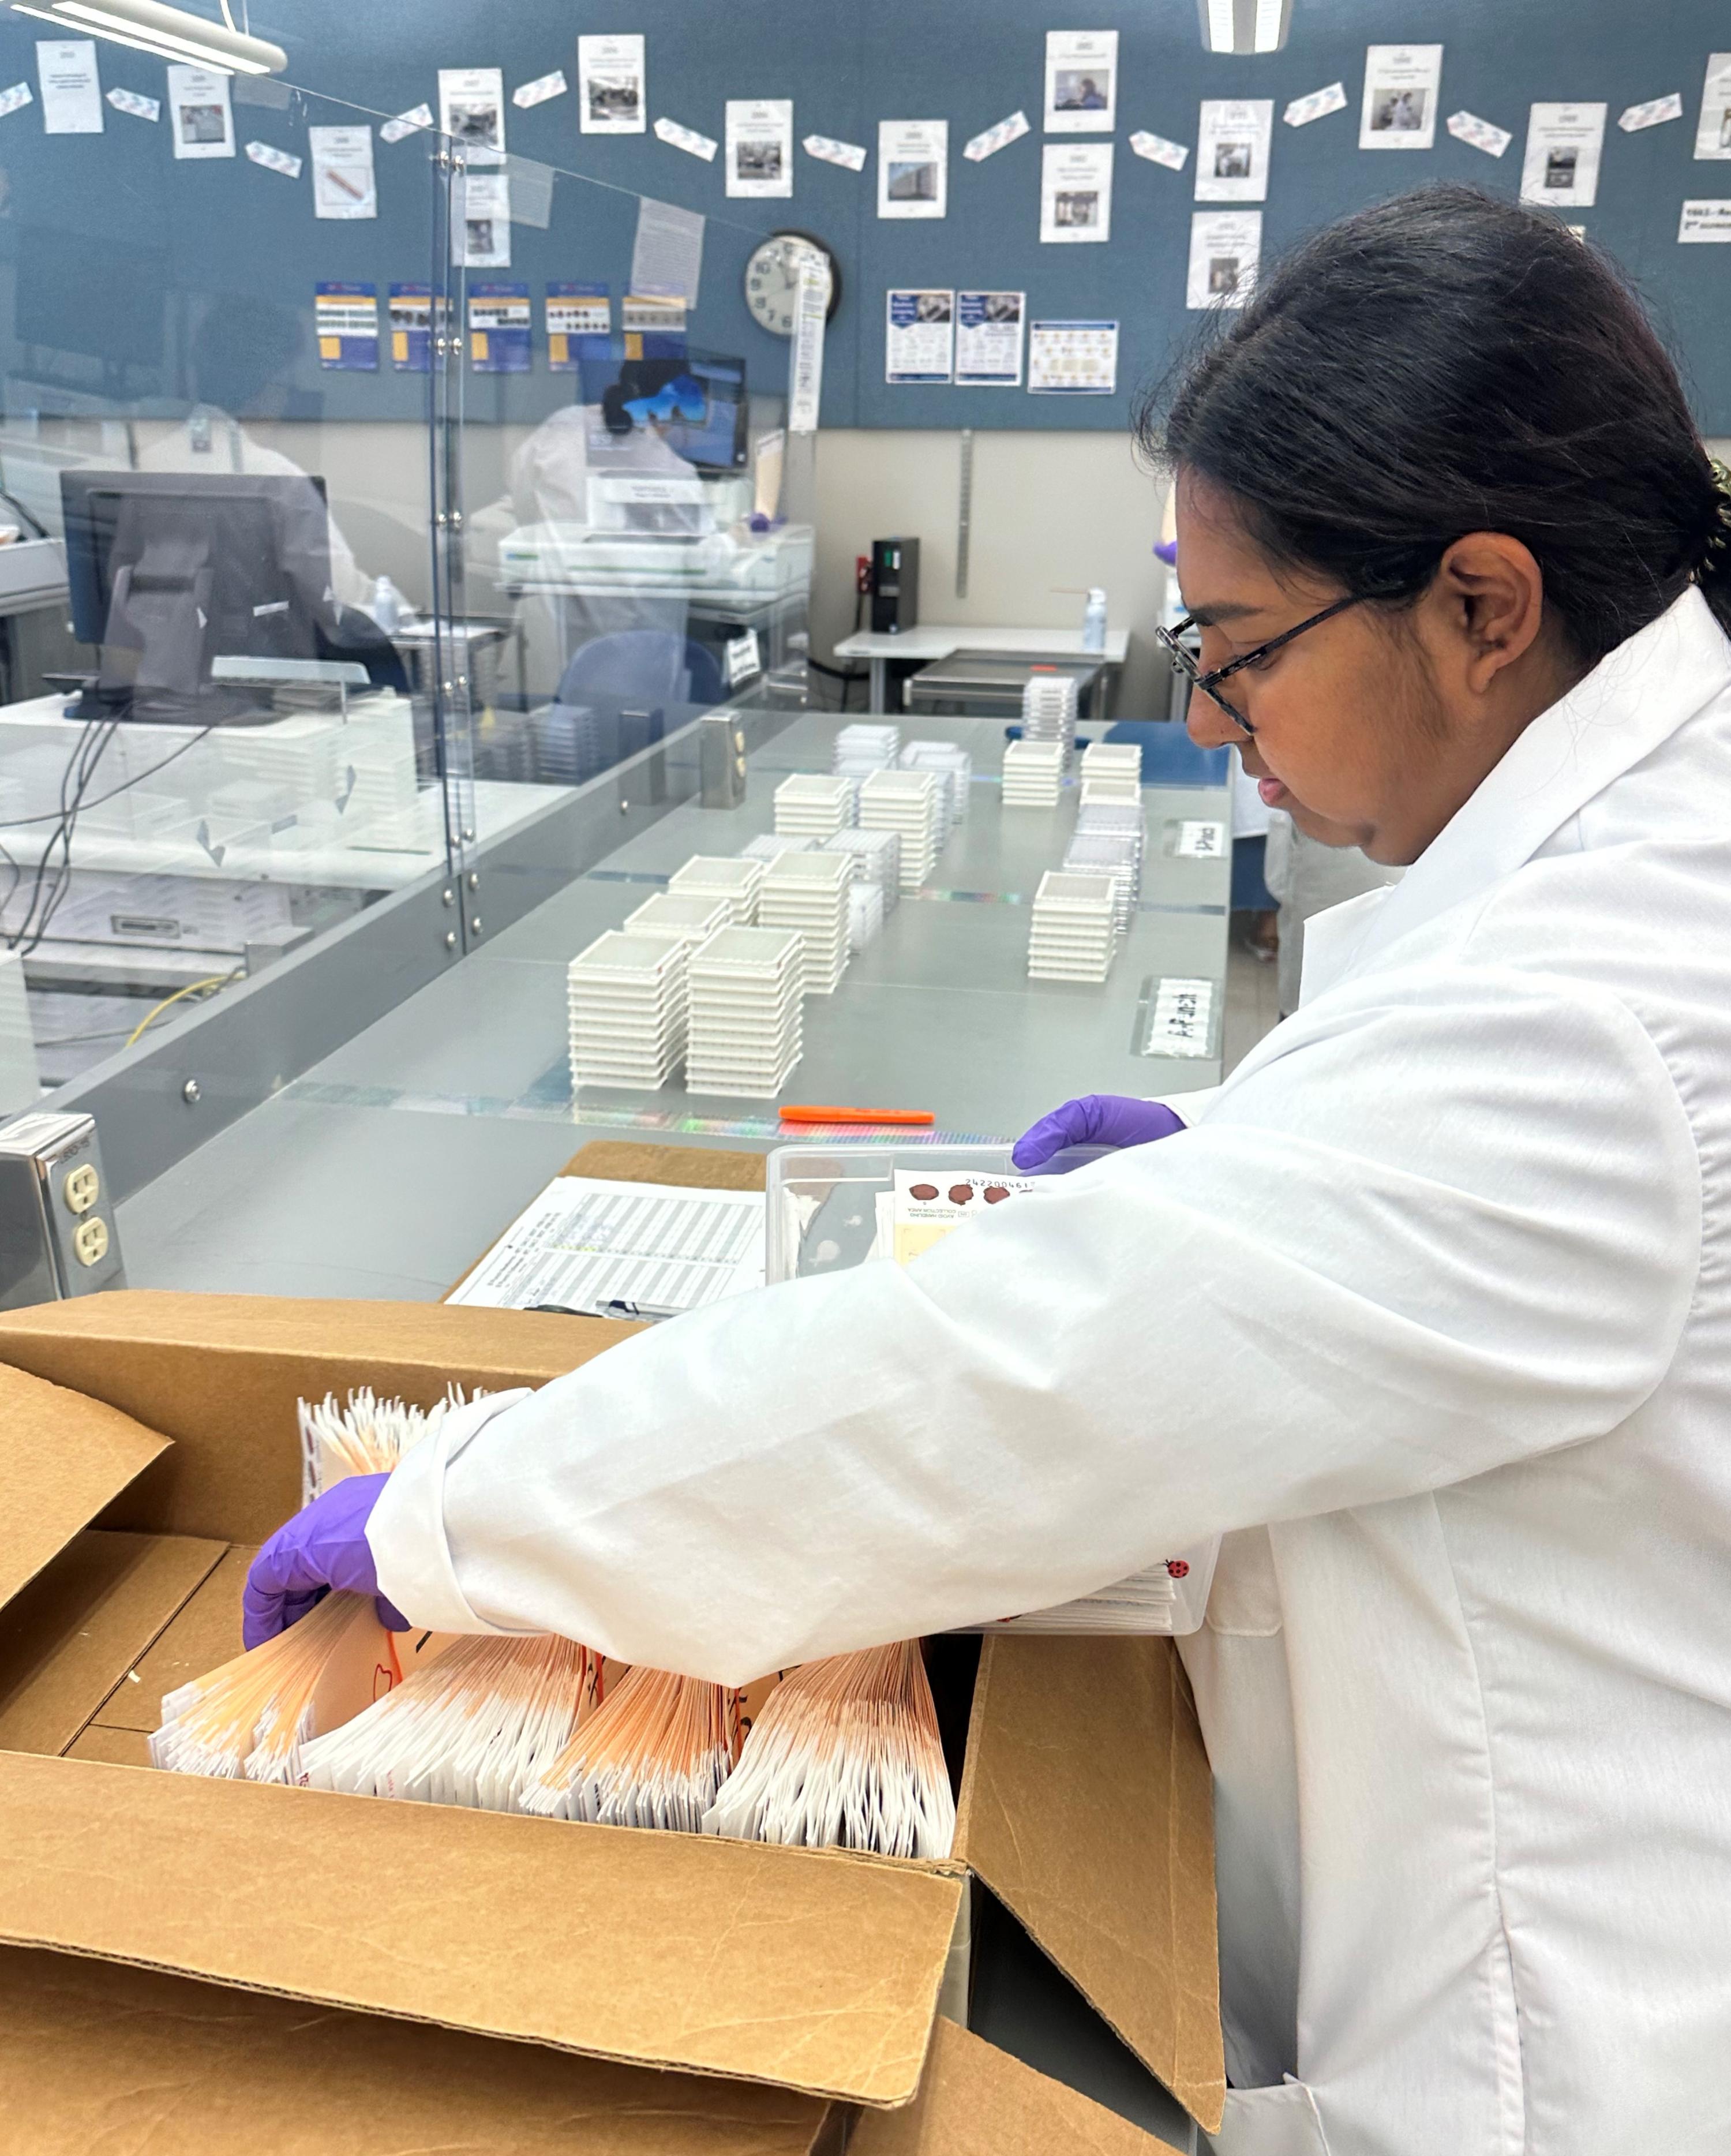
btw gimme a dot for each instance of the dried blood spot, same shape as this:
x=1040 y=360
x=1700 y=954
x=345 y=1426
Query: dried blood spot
x=960 y=1192
x=995 y=1194
x=924 y=1192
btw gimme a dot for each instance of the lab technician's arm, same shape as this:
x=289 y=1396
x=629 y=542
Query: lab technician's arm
x=1443 y=1219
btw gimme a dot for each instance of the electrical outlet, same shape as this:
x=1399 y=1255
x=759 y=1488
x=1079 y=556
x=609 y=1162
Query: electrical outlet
x=89 y=1245
x=862 y=575
x=81 y=1188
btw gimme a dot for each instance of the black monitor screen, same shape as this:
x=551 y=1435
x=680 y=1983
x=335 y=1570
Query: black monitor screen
x=696 y=402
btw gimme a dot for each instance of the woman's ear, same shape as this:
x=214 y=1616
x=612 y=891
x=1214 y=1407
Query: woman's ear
x=1489 y=595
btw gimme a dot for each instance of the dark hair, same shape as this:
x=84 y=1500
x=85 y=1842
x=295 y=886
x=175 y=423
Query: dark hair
x=1445 y=363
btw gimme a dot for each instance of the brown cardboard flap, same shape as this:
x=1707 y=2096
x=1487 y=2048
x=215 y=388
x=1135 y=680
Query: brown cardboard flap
x=691 y=1168
x=93 y=2055
x=81 y=1624
x=1086 y=1808
x=62 y=1458
x=112 y=1747
x=818 y=1971
x=201 y=1637
x=977 y=2101
x=200 y=1366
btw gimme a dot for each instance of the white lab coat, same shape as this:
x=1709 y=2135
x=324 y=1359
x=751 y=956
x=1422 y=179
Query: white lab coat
x=1430 y=1313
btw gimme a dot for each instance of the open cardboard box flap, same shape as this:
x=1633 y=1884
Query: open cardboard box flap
x=62 y=1458
x=1085 y=1806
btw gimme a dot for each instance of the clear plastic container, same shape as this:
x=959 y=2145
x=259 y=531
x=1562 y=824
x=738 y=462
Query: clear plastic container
x=825 y=1214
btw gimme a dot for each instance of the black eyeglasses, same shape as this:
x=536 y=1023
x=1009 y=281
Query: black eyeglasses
x=1184 y=660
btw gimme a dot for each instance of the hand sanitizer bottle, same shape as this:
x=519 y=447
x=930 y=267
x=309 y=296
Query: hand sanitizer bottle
x=1093 y=621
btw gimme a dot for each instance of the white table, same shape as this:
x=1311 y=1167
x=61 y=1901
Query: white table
x=928 y=641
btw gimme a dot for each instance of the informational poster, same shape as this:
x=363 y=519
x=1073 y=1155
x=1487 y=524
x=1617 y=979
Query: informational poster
x=1233 y=138
x=541 y=91
x=1479 y=134
x=498 y=329
x=918 y=336
x=1318 y=105
x=199 y=112
x=417 y=119
x=1561 y=166
x=135 y=107
x=989 y=329
x=346 y=317
x=998 y=136
x=342 y=173
x=1158 y=151
x=71 y=94
x=667 y=255
x=1075 y=192
x=1225 y=248
x=760 y=146
x=1080 y=82
x=610 y=89
x=1704 y=223
x=1654 y=112
x=580 y=319
x=850 y=157
x=913 y=168
x=481 y=237
x=805 y=361
x=1712 y=132
x=1073 y=359
x=687 y=139
x=471 y=111
x=1402 y=85
x=653 y=325
x=410 y=309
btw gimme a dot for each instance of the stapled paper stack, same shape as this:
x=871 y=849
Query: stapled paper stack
x=905 y=802
x=808 y=805
x=680 y=918
x=1048 y=710
x=715 y=876
x=627 y=1001
x=1033 y=774
x=809 y=892
x=654 y=1753
x=861 y=749
x=746 y=1024
x=1074 y=936
x=880 y=856
x=955 y=763
x=845 y=1754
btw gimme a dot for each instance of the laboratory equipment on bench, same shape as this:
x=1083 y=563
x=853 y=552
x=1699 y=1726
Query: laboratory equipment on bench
x=894 y=585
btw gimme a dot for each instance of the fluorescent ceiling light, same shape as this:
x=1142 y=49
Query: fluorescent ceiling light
x=170 y=33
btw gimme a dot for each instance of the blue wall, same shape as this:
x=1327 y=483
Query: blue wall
x=222 y=228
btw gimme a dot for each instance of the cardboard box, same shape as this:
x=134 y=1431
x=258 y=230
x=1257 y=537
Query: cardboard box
x=153 y=1439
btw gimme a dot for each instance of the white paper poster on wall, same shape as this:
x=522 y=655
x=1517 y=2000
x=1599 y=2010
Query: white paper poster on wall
x=1712 y=132
x=71 y=94
x=471 y=111
x=1233 y=136
x=1080 y=82
x=1225 y=248
x=481 y=237
x=199 y=112
x=610 y=89
x=913 y=168
x=760 y=146
x=1560 y=169
x=1075 y=192
x=1073 y=359
x=1704 y=223
x=1402 y=85
x=918 y=336
x=805 y=361
x=343 y=185
x=988 y=339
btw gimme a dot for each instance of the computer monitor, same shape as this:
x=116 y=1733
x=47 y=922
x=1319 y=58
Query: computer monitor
x=169 y=571
x=696 y=402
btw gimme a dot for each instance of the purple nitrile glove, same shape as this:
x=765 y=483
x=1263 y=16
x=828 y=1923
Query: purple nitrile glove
x=324 y=1546
x=1101 y=1119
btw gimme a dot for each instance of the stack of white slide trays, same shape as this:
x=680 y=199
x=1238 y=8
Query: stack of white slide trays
x=809 y=892
x=745 y=1028
x=626 y=999
x=1074 y=936
x=908 y=802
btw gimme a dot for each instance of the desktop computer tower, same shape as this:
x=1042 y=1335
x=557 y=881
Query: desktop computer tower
x=895 y=585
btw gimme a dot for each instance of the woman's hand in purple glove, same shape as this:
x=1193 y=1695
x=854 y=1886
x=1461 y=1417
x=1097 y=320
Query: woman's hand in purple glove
x=1101 y=1119
x=325 y=1546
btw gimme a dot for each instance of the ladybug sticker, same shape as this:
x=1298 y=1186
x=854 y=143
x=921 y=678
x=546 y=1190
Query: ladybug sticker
x=1178 y=1567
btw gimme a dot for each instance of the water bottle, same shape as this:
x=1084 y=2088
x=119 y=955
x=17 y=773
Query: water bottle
x=1093 y=621
x=386 y=605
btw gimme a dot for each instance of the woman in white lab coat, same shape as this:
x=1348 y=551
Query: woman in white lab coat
x=1428 y=1310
